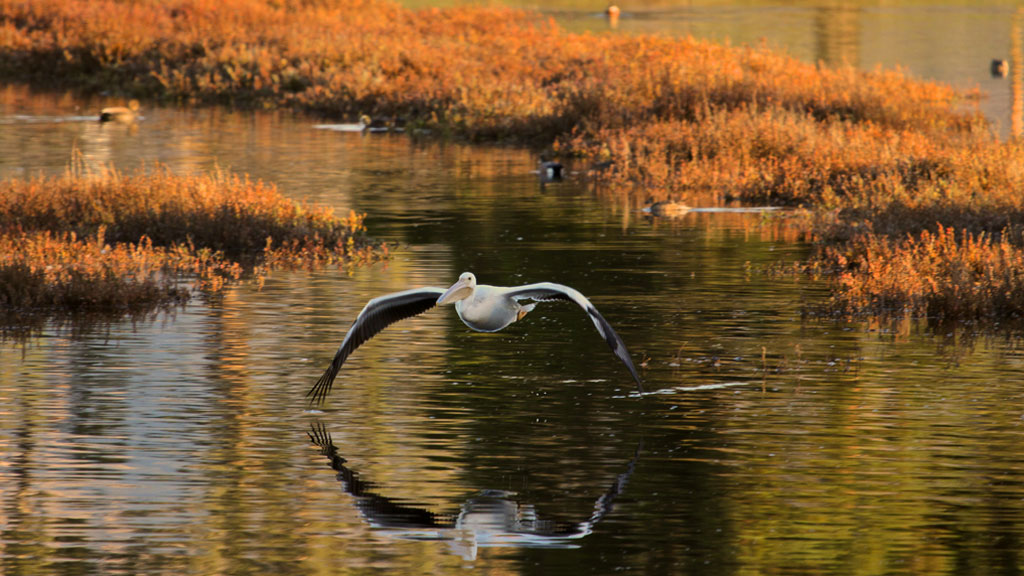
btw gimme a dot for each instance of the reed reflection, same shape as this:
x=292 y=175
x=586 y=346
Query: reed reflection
x=1016 y=71
x=492 y=518
x=837 y=28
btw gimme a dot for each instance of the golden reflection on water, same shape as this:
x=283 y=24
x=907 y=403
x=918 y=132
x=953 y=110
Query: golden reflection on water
x=1017 y=74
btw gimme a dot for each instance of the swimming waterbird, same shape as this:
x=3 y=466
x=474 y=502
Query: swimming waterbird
x=125 y=114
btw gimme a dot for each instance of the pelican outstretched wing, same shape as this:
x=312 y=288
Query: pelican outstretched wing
x=377 y=315
x=546 y=291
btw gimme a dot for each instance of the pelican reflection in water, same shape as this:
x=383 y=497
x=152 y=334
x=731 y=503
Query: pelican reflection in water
x=481 y=307
x=493 y=518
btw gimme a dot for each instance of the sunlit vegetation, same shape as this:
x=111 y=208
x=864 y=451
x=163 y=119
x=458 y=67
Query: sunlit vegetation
x=475 y=72
x=145 y=241
x=942 y=274
x=891 y=167
x=945 y=242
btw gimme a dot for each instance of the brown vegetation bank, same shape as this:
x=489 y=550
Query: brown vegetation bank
x=137 y=243
x=916 y=206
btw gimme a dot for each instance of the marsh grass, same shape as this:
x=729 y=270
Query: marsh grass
x=43 y=270
x=903 y=178
x=145 y=241
x=947 y=244
x=480 y=73
x=946 y=274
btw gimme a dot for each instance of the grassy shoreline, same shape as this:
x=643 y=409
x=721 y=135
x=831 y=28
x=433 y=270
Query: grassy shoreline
x=894 y=171
x=146 y=241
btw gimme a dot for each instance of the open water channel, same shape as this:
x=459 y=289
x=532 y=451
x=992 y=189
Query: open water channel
x=768 y=442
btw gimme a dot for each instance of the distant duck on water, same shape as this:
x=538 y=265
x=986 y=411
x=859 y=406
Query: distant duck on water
x=1000 y=68
x=668 y=209
x=551 y=171
x=371 y=125
x=124 y=114
x=612 y=13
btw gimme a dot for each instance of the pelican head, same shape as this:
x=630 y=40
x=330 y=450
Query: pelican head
x=460 y=290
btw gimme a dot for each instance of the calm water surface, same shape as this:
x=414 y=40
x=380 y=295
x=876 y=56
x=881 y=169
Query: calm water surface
x=768 y=443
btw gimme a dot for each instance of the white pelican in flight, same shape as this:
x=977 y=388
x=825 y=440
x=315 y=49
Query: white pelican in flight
x=481 y=307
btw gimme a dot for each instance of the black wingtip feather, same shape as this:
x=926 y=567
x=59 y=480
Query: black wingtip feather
x=639 y=382
x=318 y=393
x=618 y=347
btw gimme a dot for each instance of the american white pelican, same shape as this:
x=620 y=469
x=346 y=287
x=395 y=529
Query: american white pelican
x=125 y=114
x=481 y=307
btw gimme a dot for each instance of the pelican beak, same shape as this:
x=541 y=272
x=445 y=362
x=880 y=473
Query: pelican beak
x=458 y=291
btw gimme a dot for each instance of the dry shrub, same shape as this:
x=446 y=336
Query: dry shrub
x=65 y=272
x=777 y=156
x=942 y=274
x=476 y=72
x=141 y=242
x=218 y=211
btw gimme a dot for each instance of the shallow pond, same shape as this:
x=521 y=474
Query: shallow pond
x=768 y=443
